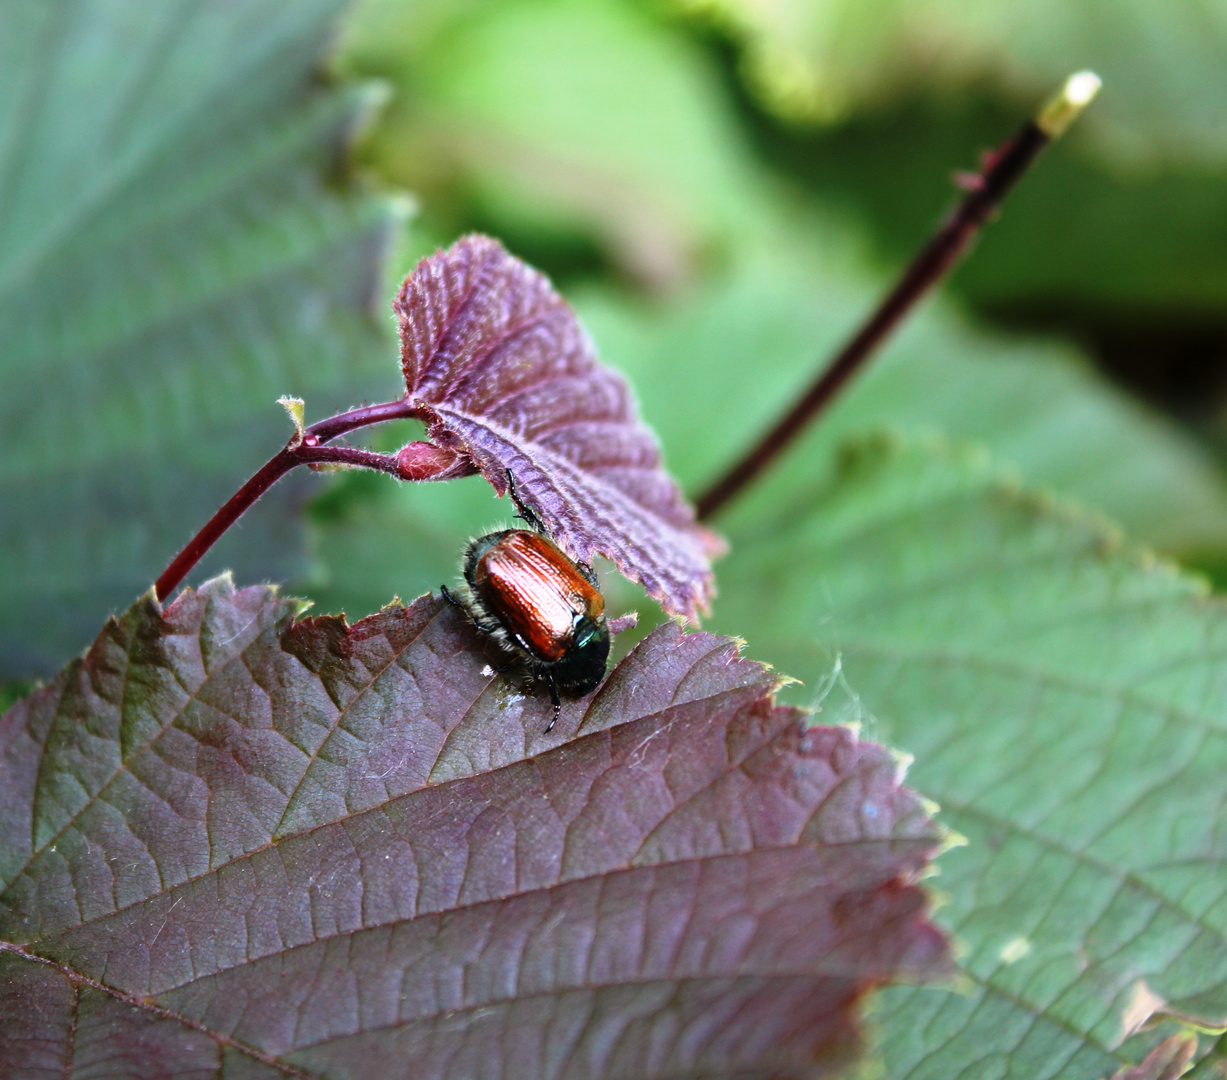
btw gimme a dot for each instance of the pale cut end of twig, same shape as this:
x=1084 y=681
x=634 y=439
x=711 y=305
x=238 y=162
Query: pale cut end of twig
x=294 y=406
x=1063 y=108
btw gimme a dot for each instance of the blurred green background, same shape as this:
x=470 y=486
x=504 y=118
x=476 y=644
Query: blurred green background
x=724 y=189
x=201 y=210
x=205 y=205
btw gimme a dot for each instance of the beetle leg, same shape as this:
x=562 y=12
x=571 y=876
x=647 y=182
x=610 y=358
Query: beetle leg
x=549 y=681
x=523 y=511
x=489 y=627
x=492 y=630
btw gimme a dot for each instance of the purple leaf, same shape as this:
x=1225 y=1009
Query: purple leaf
x=235 y=844
x=501 y=371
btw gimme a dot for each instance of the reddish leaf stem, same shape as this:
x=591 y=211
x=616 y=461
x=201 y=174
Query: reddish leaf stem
x=1002 y=169
x=300 y=450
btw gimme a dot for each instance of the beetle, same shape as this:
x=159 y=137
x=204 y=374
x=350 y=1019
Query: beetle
x=538 y=604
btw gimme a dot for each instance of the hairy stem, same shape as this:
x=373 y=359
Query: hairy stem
x=304 y=449
x=943 y=250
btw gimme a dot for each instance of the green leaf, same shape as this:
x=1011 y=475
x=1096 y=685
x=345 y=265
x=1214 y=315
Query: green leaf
x=556 y=121
x=1063 y=694
x=619 y=134
x=172 y=259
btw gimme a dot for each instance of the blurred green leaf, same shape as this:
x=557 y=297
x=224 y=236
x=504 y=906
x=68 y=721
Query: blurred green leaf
x=556 y=124
x=1164 y=65
x=1118 y=237
x=553 y=122
x=1063 y=694
x=171 y=260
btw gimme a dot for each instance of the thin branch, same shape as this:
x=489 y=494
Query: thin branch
x=181 y=565
x=1002 y=170
x=347 y=457
x=305 y=448
x=335 y=426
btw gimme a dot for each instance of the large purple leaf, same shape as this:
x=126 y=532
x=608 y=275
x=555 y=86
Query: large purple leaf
x=232 y=844
x=502 y=372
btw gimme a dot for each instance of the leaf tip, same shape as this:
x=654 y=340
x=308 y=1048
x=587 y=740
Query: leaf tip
x=295 y=409
x=903 y=762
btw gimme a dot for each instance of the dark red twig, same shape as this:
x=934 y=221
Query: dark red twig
x=304 y=449
x=986 y=191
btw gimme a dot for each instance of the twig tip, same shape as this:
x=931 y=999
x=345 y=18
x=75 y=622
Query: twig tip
x=1063 y=108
